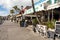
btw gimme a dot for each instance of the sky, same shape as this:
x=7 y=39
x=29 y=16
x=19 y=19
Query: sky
x=6 y=5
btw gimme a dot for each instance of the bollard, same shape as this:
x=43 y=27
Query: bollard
x=54 y=37
x=34 y=29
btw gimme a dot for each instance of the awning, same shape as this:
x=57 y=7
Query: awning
x=53 y=6
x=31 y=15
x=18 y=15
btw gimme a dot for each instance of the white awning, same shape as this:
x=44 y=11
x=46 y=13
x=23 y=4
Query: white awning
x=32 y=15
x=18 y=15
x=53 y=6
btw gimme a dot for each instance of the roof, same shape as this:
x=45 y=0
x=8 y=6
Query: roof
x=18 y=15
x=53 y=6
x=28 y=7
x=31 y=15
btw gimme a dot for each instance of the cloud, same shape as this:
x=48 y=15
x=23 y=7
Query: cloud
x=8 y=4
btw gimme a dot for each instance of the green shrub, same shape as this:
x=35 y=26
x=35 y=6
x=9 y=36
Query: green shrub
x=50 y=24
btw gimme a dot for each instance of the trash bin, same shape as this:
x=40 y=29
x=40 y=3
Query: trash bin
x=21 y=24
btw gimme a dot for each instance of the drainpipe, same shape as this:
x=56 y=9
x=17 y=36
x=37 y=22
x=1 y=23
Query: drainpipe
x=48 y=15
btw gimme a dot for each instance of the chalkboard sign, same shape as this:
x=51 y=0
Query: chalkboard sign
x=57 y=27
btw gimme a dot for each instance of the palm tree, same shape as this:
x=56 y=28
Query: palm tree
x=35 y=12
x=12 y=12
x=16 y=8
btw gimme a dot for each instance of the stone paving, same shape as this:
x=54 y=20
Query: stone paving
x=12 y=31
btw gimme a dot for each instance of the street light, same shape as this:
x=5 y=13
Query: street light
x=34 y=11
x=21 y=7
x=33 y=6
x=22 y=11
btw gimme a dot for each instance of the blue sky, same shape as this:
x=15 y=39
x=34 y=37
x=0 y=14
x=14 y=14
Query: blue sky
x=2 y=8
x=3 y=11
x=6 y=5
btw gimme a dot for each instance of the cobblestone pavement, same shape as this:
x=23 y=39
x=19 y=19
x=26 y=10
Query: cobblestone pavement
x=12 y=31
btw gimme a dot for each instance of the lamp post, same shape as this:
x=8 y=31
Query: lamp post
x=22 y=12
x=21 y=7
x=33 y=6
x=34 y=11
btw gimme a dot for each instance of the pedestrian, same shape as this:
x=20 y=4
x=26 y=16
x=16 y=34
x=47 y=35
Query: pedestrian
x=34 y=29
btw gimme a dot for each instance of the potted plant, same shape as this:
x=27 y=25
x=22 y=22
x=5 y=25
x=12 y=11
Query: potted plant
x=50 y=24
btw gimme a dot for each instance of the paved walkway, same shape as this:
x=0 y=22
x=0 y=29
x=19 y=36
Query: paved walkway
x=12 y=31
